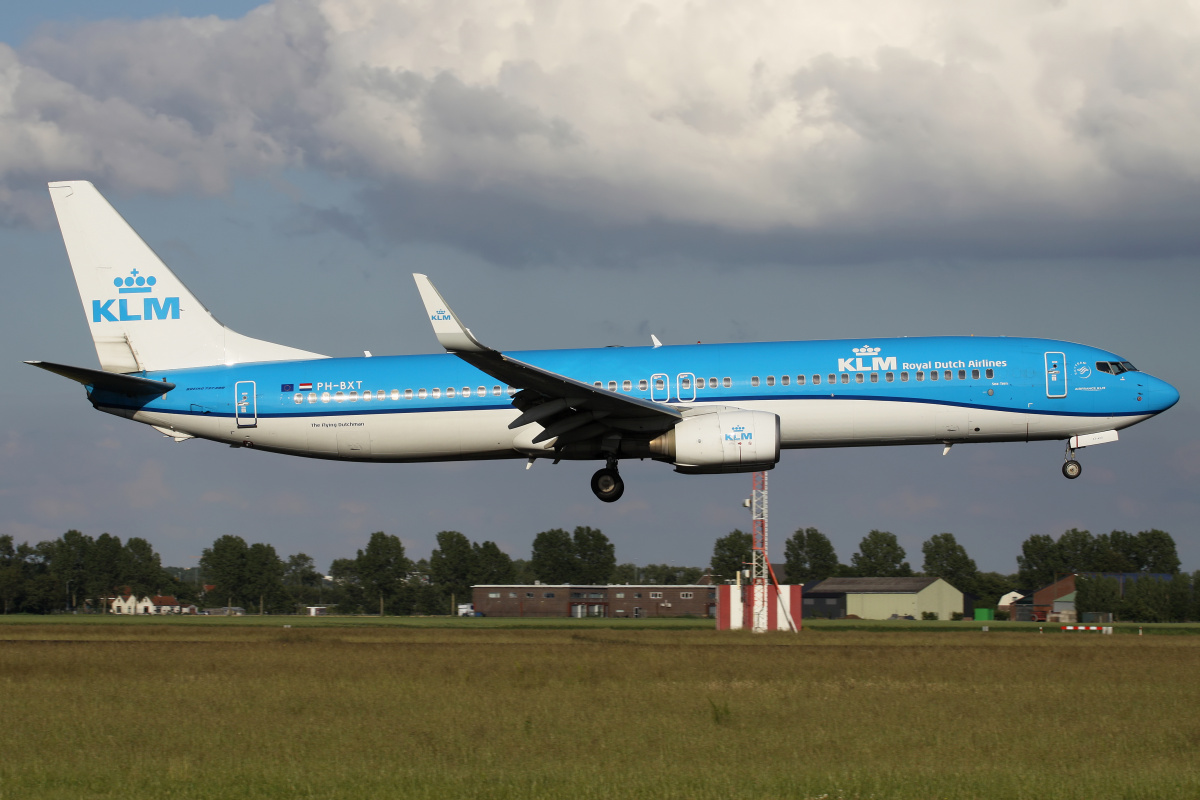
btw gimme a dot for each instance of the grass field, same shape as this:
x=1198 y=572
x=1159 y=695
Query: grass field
x=340 y=707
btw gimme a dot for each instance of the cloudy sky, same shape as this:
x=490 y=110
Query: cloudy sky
x=586 y=174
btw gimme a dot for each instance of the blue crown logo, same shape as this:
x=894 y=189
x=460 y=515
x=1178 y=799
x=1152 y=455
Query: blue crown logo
x=866 y=350
x=739 y=428
x=135 y=283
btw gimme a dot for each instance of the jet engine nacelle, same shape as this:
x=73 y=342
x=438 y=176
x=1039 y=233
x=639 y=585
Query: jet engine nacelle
x=722 y=441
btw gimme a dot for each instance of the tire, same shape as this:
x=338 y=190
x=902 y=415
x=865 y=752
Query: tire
x=1072 y=469
x=607 y=485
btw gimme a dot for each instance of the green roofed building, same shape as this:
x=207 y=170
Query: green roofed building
x=881 y=598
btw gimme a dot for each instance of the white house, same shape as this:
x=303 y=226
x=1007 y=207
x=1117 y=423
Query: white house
x=124 y=605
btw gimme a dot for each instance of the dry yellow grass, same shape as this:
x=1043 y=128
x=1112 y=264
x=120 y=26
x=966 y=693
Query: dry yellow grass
x=219 y=711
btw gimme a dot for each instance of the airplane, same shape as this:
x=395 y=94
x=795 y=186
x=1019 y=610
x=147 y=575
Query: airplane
x=167 y=362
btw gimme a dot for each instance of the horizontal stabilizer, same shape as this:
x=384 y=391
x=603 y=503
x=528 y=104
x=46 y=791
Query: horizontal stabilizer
x=106 y=381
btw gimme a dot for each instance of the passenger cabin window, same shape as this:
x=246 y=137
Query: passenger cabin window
x=889 y=376
x=407 y=394
x=858 y=377
x=512 y=390
x=685 y=383
x=712 y=383
x=727 y=382
x=974 y=374
x=466 y=391
x=816 y=380
x=420 y=394
x=989 y=374
x=496 y=391
x=832 y=378
x=874 y=377
x=395 y=394
x=339 y=396
x=754 y=381
x=660 y=384
x=799 y=380
x=785 y=380
x=599 y=384
x=643 y=385
x=947 y=375
x=845 y=377
x=933 y=375
x=299 y=398
x=770 y=380
x=962 y=374
x=904 y=377
x=324 y=397
x=435 y=393
x=627 y=386
x=354 y=397
x=450 y=392
x=920 y=376
x=612 y=386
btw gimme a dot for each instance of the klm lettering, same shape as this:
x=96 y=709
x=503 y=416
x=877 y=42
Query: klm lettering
x=744 y=436
x=878 y=364
x=151 y=309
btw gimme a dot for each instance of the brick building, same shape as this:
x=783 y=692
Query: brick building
x=602 y=600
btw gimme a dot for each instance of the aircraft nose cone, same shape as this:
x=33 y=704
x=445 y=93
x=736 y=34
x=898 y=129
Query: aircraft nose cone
x=1161 y=395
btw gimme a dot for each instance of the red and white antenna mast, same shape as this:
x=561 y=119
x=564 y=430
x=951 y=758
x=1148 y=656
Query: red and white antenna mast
x=762 y=577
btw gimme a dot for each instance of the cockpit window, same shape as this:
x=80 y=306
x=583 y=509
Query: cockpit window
x=1115 y=367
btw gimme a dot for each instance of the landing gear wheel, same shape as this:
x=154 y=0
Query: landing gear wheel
x=607 y=485
x=1071 y=469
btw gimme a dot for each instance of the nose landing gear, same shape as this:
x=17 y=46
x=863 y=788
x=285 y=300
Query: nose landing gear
x=607 y=484
x=1071 y=468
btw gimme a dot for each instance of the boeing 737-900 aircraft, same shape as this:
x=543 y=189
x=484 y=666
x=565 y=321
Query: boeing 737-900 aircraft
x=167 y=362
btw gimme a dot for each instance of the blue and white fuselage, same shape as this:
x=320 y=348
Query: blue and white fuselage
x=703 y=408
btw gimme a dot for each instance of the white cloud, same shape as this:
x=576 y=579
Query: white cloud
x=751 y=116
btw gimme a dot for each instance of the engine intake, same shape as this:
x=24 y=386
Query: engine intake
x=722 y=441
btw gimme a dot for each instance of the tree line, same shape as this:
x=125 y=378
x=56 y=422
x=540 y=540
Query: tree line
x=78 y=571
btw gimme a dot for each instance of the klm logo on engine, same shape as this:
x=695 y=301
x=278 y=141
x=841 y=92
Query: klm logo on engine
x=125 y=309
x=874 y=363
x=739 y=434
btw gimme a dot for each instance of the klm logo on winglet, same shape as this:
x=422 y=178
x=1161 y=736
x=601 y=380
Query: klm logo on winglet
x=440 y=316
x=152 y=307
x=857 y=364
x=740 y=434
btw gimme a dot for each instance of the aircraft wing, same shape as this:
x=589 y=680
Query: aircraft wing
x=568 y=409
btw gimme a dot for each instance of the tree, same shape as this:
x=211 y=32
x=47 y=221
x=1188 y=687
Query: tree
x=142 y=567
x=12 y=575
x=1077 y=551
x=69 y=564
x=553 y=557
x=382 y=568
x=105 y=568
x=264 y=574
x=595 y=556
x=731 y=553
x=991 y=586
x=945 y=558
x=452 y=564
x=809 y=555
x=1095 y=594
x=1038 y=563
x=880 y=556
x=224 y=565
x=492 y=565
x=1158 y=551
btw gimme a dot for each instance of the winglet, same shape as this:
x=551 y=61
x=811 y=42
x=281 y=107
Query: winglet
x=451 y=333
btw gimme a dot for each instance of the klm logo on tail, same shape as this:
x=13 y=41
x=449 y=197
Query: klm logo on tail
x=152 y=307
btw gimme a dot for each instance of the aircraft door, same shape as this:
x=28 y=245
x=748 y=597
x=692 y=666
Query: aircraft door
x=245 y=404
x=685 y=387
x=660 y=387
x=1056 y=375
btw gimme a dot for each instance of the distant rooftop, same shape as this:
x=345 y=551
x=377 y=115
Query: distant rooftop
x=872 y=585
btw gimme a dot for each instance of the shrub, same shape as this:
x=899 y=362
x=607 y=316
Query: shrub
x=929 y=615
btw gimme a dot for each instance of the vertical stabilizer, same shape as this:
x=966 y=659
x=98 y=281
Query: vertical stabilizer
x=140 y=315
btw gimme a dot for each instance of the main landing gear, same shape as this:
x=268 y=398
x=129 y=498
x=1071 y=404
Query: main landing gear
x=1071 y=468
x=607 y=484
